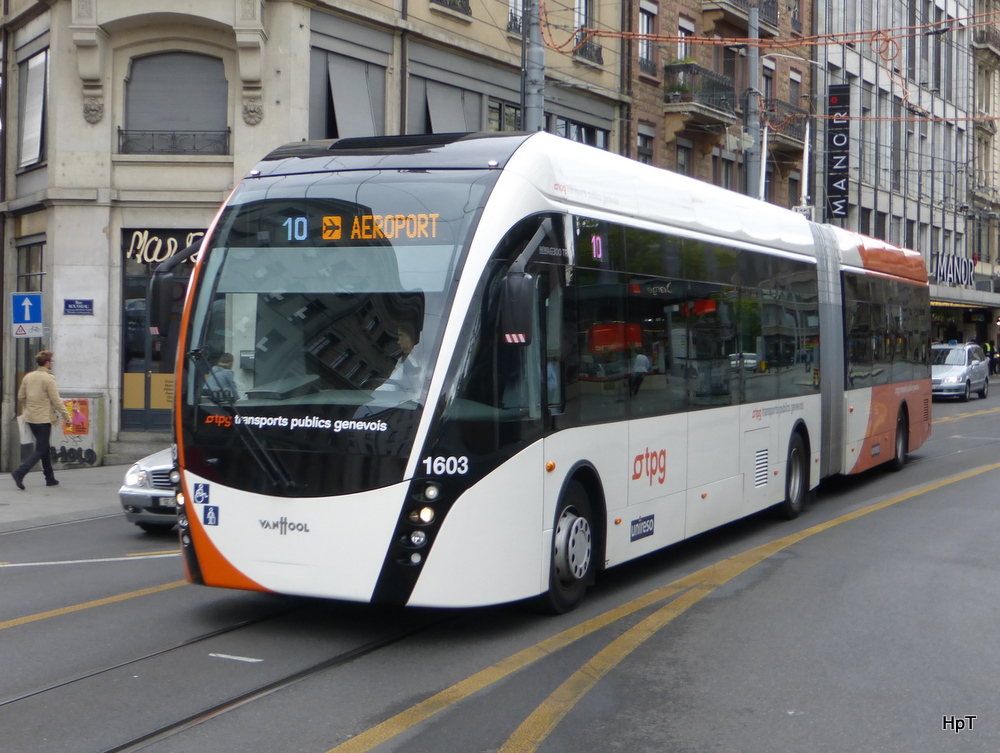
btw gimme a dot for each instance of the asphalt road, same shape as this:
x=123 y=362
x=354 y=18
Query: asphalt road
x=867 y=624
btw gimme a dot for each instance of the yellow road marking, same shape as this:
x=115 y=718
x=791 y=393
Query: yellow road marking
x=960 y=416
x=403 y=721
x=147 y=554
x=551 y=711
x=89 y=605
x=693 y=588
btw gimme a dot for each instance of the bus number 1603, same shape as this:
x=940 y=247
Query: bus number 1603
x=449 y=466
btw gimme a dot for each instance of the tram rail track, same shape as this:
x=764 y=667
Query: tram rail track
x=145 y=657
x=147 y=732
x=166 y=731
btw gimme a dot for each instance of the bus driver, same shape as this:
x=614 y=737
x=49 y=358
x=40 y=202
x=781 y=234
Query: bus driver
x=407 y=376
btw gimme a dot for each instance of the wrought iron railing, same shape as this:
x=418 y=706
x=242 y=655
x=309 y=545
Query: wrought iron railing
x=173 y=142
x=460 y=6
x=647 y=66
x=767 y=9
x=514 y=23
x=689 y=82
x=589 y=49
x=785 y=118
x=987 y=34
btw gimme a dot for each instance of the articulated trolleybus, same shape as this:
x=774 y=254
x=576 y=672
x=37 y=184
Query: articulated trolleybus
x=471 y=369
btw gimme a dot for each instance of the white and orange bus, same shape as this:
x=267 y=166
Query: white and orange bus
x=472 y=369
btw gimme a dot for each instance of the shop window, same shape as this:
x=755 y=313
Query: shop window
x=439 y=108
x=504 y=116
x=356 y=98
x=581 y=132
x=29 y=280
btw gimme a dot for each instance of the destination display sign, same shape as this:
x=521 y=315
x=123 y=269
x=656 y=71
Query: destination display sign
x=362 y=227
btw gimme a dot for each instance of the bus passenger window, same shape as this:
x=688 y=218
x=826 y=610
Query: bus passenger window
x=553 y=347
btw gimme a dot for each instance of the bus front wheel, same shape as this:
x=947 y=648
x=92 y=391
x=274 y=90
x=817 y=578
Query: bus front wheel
x=572 y=551
x=796 y=479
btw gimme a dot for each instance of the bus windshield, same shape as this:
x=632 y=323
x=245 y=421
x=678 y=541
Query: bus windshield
x=320 y=306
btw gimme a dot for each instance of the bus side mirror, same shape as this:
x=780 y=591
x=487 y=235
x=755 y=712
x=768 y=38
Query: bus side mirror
x=159 y=300
x=160 y=293
x=517 y=308
x=518 y=297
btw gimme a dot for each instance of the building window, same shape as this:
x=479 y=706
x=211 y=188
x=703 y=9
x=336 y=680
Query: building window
x=355 y=98
x=724 y=169
x=504 y=116
x=176 y=103
x=514 y=23
x=29 y=268
x=459 y=6
x=435 y=107
x=684 y=158
x=647 y=28
x=794 y=188
x=585 y=134
x=767 y=80
x=685 y=30
x=644 y=149
x=31 y=141
x=583 y=18
x=795 y=88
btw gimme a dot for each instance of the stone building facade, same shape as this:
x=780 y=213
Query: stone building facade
x=127 y=124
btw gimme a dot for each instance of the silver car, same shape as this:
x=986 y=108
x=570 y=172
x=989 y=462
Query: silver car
x=958 y=370
x=148 y=496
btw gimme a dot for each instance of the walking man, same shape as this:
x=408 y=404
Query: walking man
x=41 y=407
x=640 y=367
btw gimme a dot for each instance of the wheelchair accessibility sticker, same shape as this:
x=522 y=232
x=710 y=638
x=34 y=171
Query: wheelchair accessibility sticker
x=201 y=494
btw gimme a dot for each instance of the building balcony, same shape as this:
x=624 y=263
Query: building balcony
x=786 y=124
x=459 y=6
x=515 y=23
x=173 y=142
x=987 y=37
x=590 y=50
x=689 y=85
x=737 y=13
x=694 y=95
x=795 y=19
x=985 y=123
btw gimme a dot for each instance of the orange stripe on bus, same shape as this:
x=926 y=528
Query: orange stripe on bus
x=216 y=569
x=880 y=256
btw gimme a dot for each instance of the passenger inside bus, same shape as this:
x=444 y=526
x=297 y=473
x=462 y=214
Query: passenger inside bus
x=407 y=376
x=220 y=382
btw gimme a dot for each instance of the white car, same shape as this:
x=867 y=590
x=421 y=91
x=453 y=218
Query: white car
x=958 y=370
x=746 y=361
x=148 y=496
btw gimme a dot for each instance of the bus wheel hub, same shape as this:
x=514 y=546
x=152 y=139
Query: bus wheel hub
x=573 y=547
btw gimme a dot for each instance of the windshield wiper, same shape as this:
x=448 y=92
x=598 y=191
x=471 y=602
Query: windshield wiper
x=262 y=455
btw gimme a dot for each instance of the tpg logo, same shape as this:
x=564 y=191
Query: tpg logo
x=652 y=464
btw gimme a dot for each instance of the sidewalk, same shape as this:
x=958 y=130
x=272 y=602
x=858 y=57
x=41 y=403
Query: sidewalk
x=82 y=493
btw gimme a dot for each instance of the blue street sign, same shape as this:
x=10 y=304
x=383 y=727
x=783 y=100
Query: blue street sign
x=26 y=314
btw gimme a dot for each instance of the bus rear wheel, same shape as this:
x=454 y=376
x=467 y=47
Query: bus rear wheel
x=572 y=551
x=902 y=442
x=796 y=480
